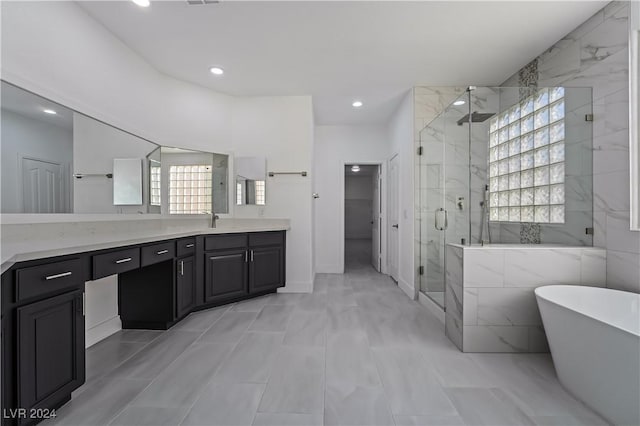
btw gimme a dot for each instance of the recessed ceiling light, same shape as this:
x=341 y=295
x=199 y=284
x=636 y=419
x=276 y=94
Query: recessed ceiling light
x=357 y=104
x=142 y=3
x=216 y=70
x=460 y=102
x=355 y=168
x=49 y=111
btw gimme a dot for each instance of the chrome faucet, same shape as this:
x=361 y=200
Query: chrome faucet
x=214 y=217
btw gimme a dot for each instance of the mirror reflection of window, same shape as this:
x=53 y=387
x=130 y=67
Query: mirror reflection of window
x=250 y=192
x=250 y=180
x=190 y=189
x=155 y=183
x=260 y=192
x=194 y=182
x=239 y=193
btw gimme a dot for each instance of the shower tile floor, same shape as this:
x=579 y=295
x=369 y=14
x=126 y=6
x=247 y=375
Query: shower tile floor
x=355 y=352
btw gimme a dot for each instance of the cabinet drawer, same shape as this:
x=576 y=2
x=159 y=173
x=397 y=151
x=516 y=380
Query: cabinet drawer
x=115 y=262
x=266 y=238
x=49 y=278
x=186 y=246
x=158 y=253
x=227 y=241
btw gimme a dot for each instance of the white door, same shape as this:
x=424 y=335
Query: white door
x=393 y=217
x=42 y=187
x=375 y=221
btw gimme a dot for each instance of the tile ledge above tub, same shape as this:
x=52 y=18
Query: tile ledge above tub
x=490 y=300
x=521 y=246
x=79 y=240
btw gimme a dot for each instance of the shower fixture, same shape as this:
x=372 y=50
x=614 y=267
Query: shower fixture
x=476 y=117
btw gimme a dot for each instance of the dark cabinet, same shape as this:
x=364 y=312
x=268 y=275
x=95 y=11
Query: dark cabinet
x=185 y=286
x=147 y=296
x=241 y=265
x=225 y=275
x=266 y=269
x=50 y=351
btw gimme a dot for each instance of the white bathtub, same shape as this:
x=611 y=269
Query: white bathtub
x=594 y=336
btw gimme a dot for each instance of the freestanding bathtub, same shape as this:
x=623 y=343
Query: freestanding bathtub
x=594 y=336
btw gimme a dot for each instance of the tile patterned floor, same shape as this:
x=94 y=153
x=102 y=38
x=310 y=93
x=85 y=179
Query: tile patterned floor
x=357 y=351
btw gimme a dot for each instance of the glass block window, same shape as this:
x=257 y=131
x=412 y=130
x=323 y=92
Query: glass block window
x=239 y=196
x=190 y=189
x=260 y=192
x=154 y=185
x=526 y=160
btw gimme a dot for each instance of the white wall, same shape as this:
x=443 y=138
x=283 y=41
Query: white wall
x=400 y=135
x=281 y=130
x=25 y=137
x=335 y=146
x=358 y=212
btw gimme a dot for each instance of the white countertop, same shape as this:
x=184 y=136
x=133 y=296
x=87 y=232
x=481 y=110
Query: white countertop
x=12 y=254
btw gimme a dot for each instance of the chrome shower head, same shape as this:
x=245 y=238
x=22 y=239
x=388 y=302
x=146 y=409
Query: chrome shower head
x=476 y=117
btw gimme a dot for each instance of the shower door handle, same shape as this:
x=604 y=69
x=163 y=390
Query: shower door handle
x=441 y=222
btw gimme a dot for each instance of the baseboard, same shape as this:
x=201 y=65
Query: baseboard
x=431 y=306
x=408 y=289
x=102 y=331
x=297 y=287
x=328 y=269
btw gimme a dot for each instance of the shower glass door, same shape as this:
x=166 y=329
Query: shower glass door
x=444 y=193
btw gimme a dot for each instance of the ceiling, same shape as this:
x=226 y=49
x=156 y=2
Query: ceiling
x=32 y=106
x=339 y=51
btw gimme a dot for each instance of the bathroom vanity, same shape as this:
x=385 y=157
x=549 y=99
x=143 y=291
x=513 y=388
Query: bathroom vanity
x=160 y=281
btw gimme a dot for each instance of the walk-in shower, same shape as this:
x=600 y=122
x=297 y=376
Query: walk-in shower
x=504 y=165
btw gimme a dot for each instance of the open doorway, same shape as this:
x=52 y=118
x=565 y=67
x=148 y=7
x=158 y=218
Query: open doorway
x=362 y=217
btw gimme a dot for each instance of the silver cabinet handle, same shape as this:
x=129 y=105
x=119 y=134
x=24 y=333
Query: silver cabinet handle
x=246 y=256
x=252 y=255
x=125 y=260
x=53 y=277
x=162 y=252
x=182 y=267
x=189 y=245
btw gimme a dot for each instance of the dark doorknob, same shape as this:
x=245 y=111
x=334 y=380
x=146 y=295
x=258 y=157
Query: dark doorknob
x=395 y=226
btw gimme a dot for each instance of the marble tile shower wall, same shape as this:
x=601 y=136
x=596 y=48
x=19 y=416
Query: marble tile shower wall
x=490 y=300
x=596 y=55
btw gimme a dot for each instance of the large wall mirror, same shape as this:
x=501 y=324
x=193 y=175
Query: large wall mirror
x=56 y=160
